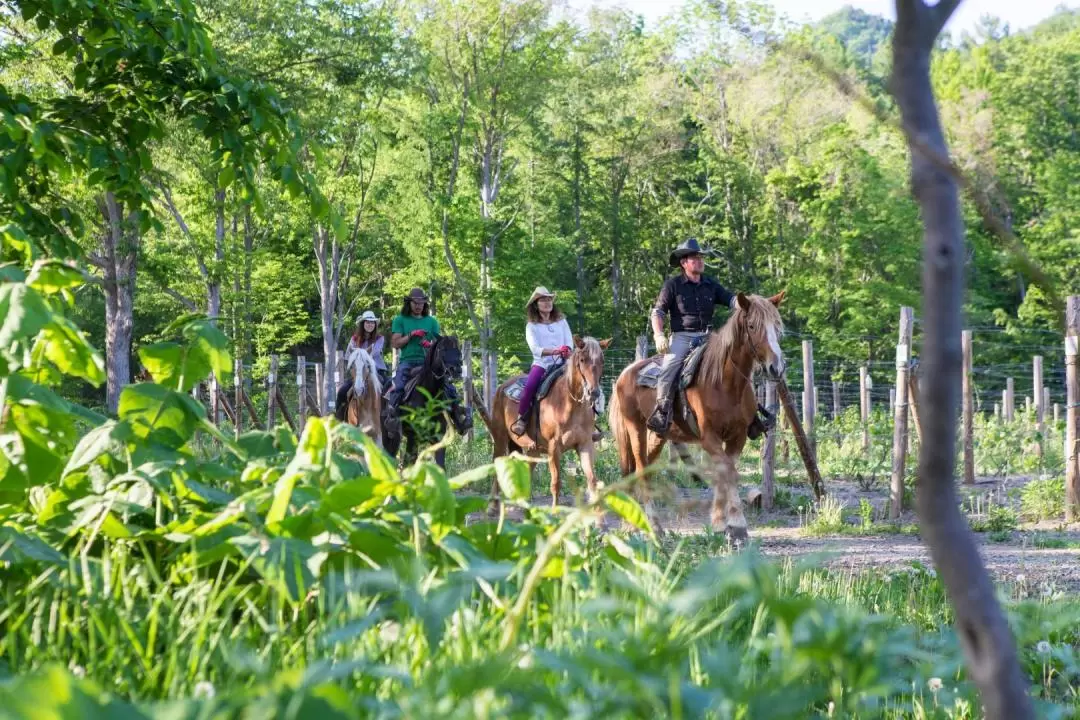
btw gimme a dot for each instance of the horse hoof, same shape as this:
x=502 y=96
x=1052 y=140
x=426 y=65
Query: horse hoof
x=737 y=536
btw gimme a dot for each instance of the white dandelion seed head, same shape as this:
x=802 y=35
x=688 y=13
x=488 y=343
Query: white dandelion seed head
x=78 y=671
x=934 y=684
x=1020 y=578
x=204 y=690
x=1043 y=647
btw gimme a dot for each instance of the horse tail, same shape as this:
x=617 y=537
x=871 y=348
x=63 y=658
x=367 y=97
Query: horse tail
x=619 y=433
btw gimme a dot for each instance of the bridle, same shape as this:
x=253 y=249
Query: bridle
x=586 y=386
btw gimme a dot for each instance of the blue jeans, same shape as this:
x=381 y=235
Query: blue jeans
x=401 y=376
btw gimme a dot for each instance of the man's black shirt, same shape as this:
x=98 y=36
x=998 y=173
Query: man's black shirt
x=690 y=305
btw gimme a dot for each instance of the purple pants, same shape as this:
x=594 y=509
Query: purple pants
x=532 y=384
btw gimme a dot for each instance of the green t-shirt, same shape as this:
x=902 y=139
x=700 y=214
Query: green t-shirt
x=404 y=325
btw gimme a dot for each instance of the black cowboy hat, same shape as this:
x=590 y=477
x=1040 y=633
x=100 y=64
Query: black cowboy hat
x=689 y=247
x=417 y=294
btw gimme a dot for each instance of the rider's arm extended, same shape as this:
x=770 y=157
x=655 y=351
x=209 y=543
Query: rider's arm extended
x=534 y=344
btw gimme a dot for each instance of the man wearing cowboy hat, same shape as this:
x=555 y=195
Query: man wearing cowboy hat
x=412 y=333
x=689 y=299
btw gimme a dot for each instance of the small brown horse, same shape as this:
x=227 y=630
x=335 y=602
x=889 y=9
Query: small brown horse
x=722 y=400
x=566 y=416
x=365 y=399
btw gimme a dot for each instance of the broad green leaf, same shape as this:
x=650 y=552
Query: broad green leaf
x=292 y=565
x=379 y=464
x=110 y=438
x=475 y=475
x=159 y=414
x=211 y=346
x=172 y=365
x=514 y=478
x=52 y=692
x=629 y=510
x=356 y=493
x=283 y=491
x=68 y=349
x=23 y=313
x=52 y=276
x=22 y=389
x=17 y=548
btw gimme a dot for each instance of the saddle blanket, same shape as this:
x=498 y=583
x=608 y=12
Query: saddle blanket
x=514 y=391
x=649 y=374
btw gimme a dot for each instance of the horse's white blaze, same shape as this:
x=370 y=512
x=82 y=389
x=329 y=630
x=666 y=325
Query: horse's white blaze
x=774 y=344
x=365 y=372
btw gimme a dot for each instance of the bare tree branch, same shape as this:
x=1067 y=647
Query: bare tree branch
x=981 y=626
x=166 y=198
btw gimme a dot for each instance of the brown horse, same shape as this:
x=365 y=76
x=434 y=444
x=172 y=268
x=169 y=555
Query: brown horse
x=722 y=400
x=566 y=416
x=365 y=399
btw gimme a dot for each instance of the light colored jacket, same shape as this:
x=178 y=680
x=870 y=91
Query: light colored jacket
x=548 y=335
x=375 y=350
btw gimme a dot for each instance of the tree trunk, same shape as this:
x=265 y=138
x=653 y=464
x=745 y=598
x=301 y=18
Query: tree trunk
x=981 y=626
x=329 y=263
x=119 y=245
x=616 y=267
x=213 y=281
x=249 y=247
x=579 y=240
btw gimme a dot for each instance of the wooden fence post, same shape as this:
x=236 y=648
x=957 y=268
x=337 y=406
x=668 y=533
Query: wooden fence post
x=301 y=389
x=1010 y=400
x=835 y=400
x=238 y=406
x=808 y=391
x=997 y=411
x=805 y=449
x=1040 y=408
x=900 y=412
x=969 y=412
x=1072 y=409
x=892 y=399
x=215 y=401
x=1027 y=404
x=467 y=378
x=768 y=453
x=271 y=393
x=1057 y=413
x=913 y=402
x=320 y=390
x=864 y=405
x=493 y=376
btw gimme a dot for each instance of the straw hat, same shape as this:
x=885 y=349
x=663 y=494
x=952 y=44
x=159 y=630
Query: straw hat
x=539 y=292
x=368 y=315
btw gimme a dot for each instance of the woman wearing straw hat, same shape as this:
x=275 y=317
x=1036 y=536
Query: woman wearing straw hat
x=549 y=338
x=366 y=337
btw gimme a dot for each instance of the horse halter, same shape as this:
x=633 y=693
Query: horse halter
x=586 y=389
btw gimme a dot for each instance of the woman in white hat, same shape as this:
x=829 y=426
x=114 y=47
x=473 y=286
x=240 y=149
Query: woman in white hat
x=550 y=341
x=366 y=337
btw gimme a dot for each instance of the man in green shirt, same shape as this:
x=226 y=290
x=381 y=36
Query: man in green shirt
x=412 y=332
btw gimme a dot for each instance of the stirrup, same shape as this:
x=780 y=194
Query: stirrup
x=519 y=427
x=660 y=420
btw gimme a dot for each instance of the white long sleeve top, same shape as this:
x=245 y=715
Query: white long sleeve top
x=547 y=335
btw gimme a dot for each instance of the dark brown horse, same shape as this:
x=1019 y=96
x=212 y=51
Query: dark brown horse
x=422 y=417
x=565 y=417
x=722 y=400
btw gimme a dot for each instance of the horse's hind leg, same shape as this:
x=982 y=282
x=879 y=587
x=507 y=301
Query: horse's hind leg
x=639 y=449
x=688 y=461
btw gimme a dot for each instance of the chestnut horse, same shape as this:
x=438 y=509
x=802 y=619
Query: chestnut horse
x=722 y=400
x=365 y=399
x=566 y=416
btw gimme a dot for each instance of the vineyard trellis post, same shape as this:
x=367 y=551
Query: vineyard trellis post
x=301 y=388
x=1040 y=408
x=238 y=383
x=271 y=393
x=467 y=378
x=900 y=411
x=1010 y=400
x=768 y=452
x=1072 y=409
x=968 y=409
x=864 y=405
x=809 y=398
x=320 y=393
x=215 y=401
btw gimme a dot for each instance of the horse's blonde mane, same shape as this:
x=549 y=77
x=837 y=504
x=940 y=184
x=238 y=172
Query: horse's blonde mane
x=721 y=343
x=365 y=372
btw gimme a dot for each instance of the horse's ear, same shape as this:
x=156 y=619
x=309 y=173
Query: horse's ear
x=742 y=301
x=778 y=298
x=604 y=344
x=578 y=342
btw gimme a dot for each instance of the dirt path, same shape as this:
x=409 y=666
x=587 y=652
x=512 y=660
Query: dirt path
x=1015 y=562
